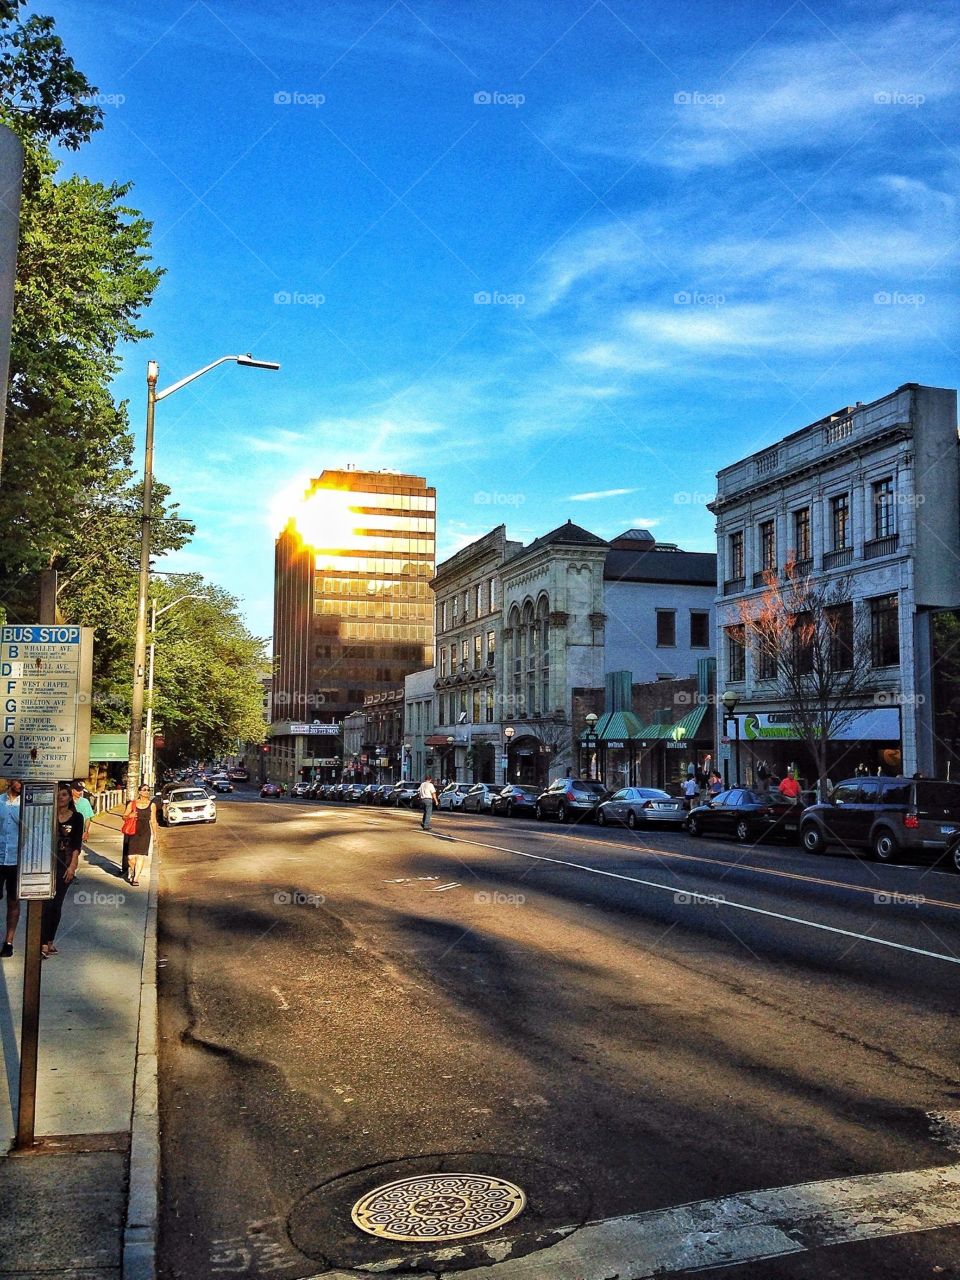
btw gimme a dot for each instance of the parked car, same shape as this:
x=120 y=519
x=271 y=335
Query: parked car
x=642 y=807
x=570 y=800
x=892 y=817
x=453 y=795
x=187 y=804
x=221 y=784
x=747 y=815
x=380 y=792
x=515 y=801
x=301 y=789
x=270 y=791
x=478 y=799
x=403 y=794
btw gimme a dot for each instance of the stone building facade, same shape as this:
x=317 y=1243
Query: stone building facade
x=870 y=493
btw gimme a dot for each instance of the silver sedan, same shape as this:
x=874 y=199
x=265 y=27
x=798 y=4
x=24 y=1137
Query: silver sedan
x=642 y=807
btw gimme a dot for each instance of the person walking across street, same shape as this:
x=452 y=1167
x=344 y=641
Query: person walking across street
x=69 y=839
x=790 y=789
x=9 y=870
x=144 y=809
x=428 y=798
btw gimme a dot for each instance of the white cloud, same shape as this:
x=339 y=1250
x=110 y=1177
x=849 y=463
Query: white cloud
x=599 y=493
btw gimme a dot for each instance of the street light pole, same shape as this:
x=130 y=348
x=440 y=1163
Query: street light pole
x=730 y=699
x=146 y=521
x=508 y=733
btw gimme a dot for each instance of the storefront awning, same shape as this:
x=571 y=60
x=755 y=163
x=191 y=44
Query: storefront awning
x=624 y=726
x=686 y=728
x=615 y=726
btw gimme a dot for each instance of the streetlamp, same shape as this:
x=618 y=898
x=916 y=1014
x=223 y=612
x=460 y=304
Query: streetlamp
x=730 y=699
x=453 y=756
x=508 y=733
x=146 y=519
x=591 y=719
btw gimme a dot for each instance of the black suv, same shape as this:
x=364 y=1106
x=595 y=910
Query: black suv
x=889 y=816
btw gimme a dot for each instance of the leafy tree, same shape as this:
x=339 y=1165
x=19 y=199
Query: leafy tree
x=207 y=674
x=42 y=94
x=812 y=644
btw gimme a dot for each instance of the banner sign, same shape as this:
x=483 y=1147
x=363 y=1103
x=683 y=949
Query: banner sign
x=38 y=823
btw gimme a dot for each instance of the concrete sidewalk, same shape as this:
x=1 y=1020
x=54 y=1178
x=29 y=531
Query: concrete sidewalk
x=84 y=1203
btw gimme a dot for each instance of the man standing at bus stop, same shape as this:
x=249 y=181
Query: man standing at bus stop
x=9 y=850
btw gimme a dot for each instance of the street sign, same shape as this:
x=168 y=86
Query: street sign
x=38 y=824
x=47 y=675
x=109 y=746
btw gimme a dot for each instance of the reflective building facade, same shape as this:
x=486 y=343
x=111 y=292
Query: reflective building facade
x=353 y=609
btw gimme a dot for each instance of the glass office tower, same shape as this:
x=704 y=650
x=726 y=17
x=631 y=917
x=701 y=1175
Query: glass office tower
x=353 y=610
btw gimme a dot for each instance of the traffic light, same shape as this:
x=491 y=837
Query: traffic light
x=265 y=748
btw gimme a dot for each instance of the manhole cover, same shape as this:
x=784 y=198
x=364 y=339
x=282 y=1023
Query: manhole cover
x=441 y=1206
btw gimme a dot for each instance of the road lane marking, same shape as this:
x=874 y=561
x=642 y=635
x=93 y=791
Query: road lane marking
x=442 y=888
x=718 y=901
x=281 y=997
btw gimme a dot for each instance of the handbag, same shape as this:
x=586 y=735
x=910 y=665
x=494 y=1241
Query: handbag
x=129 y=824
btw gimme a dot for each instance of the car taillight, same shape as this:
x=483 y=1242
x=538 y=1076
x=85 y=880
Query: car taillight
x=911 y=820
x=647 y=804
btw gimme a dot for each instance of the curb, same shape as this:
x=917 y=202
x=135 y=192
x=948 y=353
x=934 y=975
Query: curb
x=140 y=1230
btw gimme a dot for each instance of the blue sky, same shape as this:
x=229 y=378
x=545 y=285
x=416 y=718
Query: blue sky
x=698 y=226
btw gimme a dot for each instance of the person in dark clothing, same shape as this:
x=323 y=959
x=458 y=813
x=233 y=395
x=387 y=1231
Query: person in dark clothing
x=140 y=845
x=69 y=841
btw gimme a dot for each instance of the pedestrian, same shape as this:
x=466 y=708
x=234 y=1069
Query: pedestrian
x=428 y=798
x=144 y=809
x=691 y=792
x=9 y=852
x=763 y=778
x=790 y=789
x=69 y=839
x=82 y=806
x=715 y=785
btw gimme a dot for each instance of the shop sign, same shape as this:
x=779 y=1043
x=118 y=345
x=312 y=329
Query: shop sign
x=871 y=724
x=615 y=746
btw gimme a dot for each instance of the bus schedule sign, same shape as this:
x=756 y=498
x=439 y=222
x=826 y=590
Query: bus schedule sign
x=46 y=675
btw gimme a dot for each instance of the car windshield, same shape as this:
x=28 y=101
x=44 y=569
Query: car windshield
x=179 y=796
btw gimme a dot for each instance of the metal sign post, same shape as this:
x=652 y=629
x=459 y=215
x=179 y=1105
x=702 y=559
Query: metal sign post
x=37 y=862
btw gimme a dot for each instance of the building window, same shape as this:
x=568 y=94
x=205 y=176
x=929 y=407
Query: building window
x=476 y=706
x=456 y=609
x=441 y=709
x=489 y=705
x=444 y=622
x=491 y=648
x=884 y=509
x=803 y=627
x=735 y=549
x=801 y=534
x=839 y=619
x=492 y=594
x=477 y=652
x=464 y=654
x=736 y=664
x=453 y=659
x=666 y=628
x=768 y=546
x=443 y=661
x=766 y=659
x=699 y=629
x=840 y=521
x=885 y=631
x=479 y=599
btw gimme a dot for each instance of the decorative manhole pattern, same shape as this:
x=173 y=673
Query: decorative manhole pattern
x=440 y=1206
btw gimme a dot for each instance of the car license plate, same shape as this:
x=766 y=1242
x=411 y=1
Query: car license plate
x=789 y=826
x=947 y=831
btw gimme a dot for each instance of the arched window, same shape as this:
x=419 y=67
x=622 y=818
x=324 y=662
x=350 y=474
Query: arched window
x=543 y=634
x=530 y=656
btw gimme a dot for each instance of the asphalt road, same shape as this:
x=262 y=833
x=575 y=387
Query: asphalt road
x=617 y=1022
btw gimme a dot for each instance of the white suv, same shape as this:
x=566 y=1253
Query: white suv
x=451 y=797
x=187 y=804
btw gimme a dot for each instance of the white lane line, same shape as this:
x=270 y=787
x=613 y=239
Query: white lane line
x=442 y=888
x=728 y=1231
x=281 y=997
x=716 y=901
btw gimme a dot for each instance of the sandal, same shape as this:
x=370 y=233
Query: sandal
x=52 y=950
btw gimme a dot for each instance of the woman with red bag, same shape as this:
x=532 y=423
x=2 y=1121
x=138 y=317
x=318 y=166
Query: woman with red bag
x=139 y=829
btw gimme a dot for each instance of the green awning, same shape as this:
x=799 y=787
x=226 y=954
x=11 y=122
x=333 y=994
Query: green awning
x=624 y=726
x=616 y=726
x=687 y=727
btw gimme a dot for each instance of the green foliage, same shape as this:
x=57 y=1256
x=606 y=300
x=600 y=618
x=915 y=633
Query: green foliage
x=208 y=672
x=42 y=94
